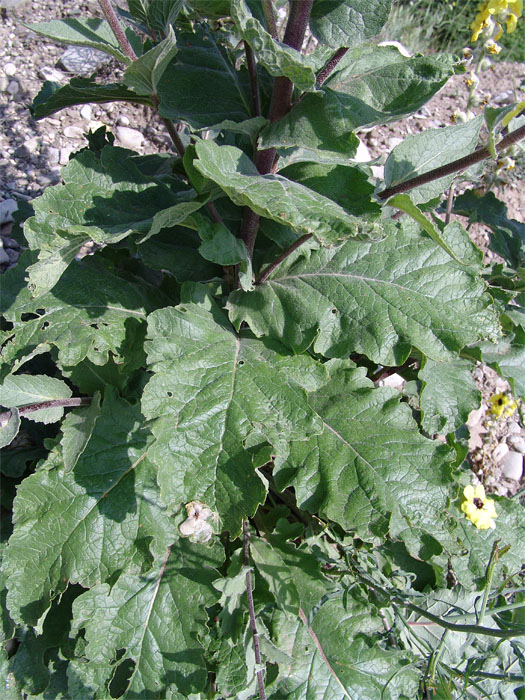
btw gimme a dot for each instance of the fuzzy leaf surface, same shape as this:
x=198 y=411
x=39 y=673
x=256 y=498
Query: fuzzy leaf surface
x=369 y=461
x=91 y=313
x=155 y=617
x=277 y=58
x=9 y=429
x=430 y=149
x=449 y=394
x=144 y=74
x=379 y=298
x=211 y=389
x=374 y=85
x=82 y=526
x=85 y=31
x=275 y=197
x=347 y=23
x=77 y=429
x=202 y=87
x=23 y=389
x=53 y=97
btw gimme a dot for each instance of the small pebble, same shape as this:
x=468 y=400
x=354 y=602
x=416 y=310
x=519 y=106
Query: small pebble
x=514 y=427
x=7 y=209
x=73 y=132
x=13 y=87
x=129 y=138
x=517 y=443
x=123 y=121
x=512 y=466
x=85 y=112
x=4 y=82
x=4 y=257
x=500 y=451
x=10 y=69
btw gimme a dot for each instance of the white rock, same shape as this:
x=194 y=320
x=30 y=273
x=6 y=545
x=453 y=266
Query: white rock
x=394 y=141
x=362 y=154
x=129 y=138
x=517 y=443
x=74 y=132
x=85 y=112
x=514 y=427
x=394 y=380
x=500 y=451
x=52 y=74
x=7 y=209
x=123 y=121
x=10 y=69
x=4 y=82
x=13 y=87
x=53 y=155
x=512 y=466
x=63 y=158
x=94 y=125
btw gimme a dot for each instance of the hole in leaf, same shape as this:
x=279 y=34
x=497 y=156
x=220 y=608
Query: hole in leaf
x=121 y=677
x=45 y=325
x=240 y=363
x=169 y=394
x=333 y=311
x=28 y=317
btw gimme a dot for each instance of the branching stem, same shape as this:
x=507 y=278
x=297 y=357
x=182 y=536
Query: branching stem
x=330 y=65
x=251 y=609
x=268 y=270
x=52 y=403
x=113 y=21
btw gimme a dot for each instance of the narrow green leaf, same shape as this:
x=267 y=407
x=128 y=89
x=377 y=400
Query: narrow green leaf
x=23 y=389
x=206 y=410
x=53 y=97
x=374 y=85
x=448 y=395
x=82 y=526
x=77 y=430
x=430 y=149
x=277 y=58
x=369 y=461
x=143 y=75
x=9 y=429
x=347 y=23
x=155 y=618
x=379 y=298
x=92 y=31
x=275 y=197
x=203 y=88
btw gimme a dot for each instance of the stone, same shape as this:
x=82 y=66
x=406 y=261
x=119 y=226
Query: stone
x=517 y=443
x=13 y=87
x=514 y=427
x=85 y=112
x=500 y=451
x=123 y=121
x=4 y=257
x=10 y=69
x=512 y=466
x=83 y=60
x=52 y=74
x=394 y=141
x=4 y=82
x=129 y=138
x=362 y=154
x=74 y=132
x=53 y=155
x=64 y=155
x=7 y=209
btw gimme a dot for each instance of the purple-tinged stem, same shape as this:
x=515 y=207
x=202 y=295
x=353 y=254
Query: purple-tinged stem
x=113 y=21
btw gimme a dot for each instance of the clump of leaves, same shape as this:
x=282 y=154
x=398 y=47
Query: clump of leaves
x=230 y=505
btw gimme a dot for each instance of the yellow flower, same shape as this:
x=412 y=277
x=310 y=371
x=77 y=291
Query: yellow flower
x=491 y=13
x=501 y=405
x=479 y=509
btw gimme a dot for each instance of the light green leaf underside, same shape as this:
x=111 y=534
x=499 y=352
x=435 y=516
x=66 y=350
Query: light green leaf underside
x=369 y=461
x=143 y=75
x=379 y=298
x=275 y=197
x=155 y=617
x=77 y=429
x=9 y=428
x=93 y=32
x=83 y=525
x=449 y=394
x=90 y=313
x=23 y=389
x=277 y=58
x=374 y=85
x=211 y=389
x=430 y=149
x=347 y=23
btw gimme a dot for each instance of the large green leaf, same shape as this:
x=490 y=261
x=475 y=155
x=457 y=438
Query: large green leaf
x=54 y=97
x=448 y=395
x=91 y=312
x=349 y=22
x=82 y=526
x=77 y=429
x=210 y=391
x=379 y=298
x=202 y=86
x=374 y=85
x=275 y=197
x=430 y=149
x=339 y=657
x=369 y=462
x=23 y=389
x=103 y=200
x=277 y=58
x=85 y=31
x=155 y=618
x=144 y=74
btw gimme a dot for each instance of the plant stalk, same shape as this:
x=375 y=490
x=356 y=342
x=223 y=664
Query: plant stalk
x=52 y=403
x=113 y=21
x=269 y=16
x=454 y=167
x=251 y=609
x=330 y=65
x=254 y=83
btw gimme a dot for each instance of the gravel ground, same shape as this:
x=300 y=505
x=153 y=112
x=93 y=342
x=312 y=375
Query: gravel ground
x=32 y=153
